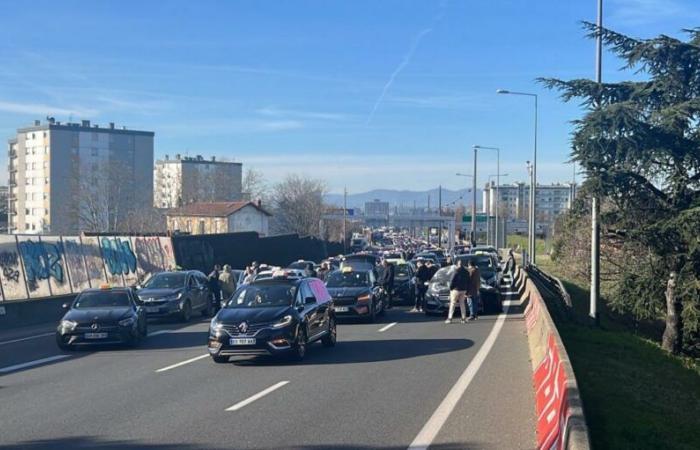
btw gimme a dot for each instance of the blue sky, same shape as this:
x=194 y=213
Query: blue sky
x=368 y=94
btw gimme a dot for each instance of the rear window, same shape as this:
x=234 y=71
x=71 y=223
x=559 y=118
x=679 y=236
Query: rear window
x=402 y=271
x=166 y=281
x=263 y=295
x=347 y=279
x=106 y=299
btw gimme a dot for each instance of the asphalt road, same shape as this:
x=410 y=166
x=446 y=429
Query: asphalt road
x=414 y=383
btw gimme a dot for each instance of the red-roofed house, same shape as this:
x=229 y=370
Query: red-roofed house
x=219 y=217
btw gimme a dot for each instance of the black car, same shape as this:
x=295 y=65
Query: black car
x=437 y=298
x=178 y=294
x=404 y=283
x=488 y=267
x=360 y=261
x=102 y=316
x=277 y=316
x=355 y=293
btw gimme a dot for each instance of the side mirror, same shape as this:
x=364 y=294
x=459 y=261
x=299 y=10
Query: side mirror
x=65 y=306
x=309 y=300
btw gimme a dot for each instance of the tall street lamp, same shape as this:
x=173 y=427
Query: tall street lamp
x=498 y=176
x=474 y=205
x=530 y=229
x=498 y=171
x=533 y=185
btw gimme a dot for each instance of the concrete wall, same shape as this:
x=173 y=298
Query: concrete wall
x=33 y=267
x=249 y=218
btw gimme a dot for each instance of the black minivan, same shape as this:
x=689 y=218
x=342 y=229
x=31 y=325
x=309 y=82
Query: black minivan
x=276 y=316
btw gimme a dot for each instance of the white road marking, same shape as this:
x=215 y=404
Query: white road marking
x=159 y=332
x=257 y=396
x=383 y=329
x=182 y=363
x=32 y=363
x=442 y=413
x=37 y=336
x=511 y=302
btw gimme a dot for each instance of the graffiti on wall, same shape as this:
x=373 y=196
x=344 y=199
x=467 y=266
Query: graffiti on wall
x=75 y=263
x=9 y=264
x=118 y=256
x=42 y=261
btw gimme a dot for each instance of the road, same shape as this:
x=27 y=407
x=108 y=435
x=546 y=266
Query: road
x=416 y=382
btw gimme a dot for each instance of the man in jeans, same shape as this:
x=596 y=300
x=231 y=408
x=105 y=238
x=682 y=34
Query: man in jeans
x=459 y=286
x=473 y=292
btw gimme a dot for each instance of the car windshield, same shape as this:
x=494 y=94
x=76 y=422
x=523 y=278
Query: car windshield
x=483 y=263
x=106 y=299
x=402 y=271
x=264 y=295
x=347 y=279
x=174 y=280
x=443 y=276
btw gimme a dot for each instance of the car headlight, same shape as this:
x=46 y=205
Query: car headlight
x=364 y=298
x=129 y=321
x=283 y=322
x=214 y=326
x=69 y=324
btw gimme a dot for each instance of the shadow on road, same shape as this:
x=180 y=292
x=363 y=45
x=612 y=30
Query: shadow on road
x=351 y=352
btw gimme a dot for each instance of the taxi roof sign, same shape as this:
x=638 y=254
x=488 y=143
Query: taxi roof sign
x=347 y=269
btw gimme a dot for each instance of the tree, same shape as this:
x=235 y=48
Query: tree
x=297 y=205
x=639 y=145
x=254 y=185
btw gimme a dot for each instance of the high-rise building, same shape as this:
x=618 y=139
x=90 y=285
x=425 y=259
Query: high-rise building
x=514 y=202
x=72 y=177
x=376 y=208
x=180 y=181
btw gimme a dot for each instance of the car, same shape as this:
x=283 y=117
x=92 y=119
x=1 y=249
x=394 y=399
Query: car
x=360 y=261
x=176 y=294
x=278 y=316
x=102 y=316
x=301 y=265
x=404 y=283
x=437 y=298
x=488 y=267
x=355 y=293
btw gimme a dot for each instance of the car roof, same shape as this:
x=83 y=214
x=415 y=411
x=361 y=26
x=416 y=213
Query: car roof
x=279 y=280
x=108 y=289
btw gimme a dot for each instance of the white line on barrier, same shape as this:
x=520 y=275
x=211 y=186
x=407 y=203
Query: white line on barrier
x=383 y=329
x=182 y=363
x=37 y=336
x=32 y=363
x=257 y=396
x=431 y=429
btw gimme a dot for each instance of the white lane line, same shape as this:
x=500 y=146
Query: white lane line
x=442 y=413
x=32 y=363
x=511 y=302
x=383 y=329
x=37 y=336
x=257 y=396
x=159 y=332
x=182 y=363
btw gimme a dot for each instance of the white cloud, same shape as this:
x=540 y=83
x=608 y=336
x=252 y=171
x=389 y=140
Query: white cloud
x=43 y=109
x=273 y=111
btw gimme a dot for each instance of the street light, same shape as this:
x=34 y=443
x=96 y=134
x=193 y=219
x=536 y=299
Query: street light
x=473 y=206
x=533 y=185
x=530 y=231
x=498 y=171
x=498 y=198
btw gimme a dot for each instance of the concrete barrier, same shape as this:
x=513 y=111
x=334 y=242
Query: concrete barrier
x=561 y=423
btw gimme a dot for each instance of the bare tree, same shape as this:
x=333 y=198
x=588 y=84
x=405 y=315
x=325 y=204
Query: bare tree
x=254 y=185
x=297 y=204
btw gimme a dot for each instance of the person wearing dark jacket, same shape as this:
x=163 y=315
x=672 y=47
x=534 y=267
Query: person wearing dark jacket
x=459 y=286
x=215 y=287
x=473 y=291
x=387 y=281
x=422 y=279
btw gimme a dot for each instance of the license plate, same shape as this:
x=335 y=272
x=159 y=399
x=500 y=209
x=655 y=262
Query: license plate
x=341 y=309
x=95 y=335
x=242 y=341
x=151 y=309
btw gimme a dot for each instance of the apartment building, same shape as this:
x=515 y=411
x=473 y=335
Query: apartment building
x=70 y=177
x=514 y=200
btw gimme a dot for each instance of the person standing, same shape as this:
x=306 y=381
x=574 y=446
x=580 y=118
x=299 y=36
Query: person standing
x=248 y=275
x=432 y=268
x=215 y=286
x=323 y=271
x=422 y=279
x=474 y=286
x=309 y=271
x=387 y=281
x=227 y=280
x=458 y=291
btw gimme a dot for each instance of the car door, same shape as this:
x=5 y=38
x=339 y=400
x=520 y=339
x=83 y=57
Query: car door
x=323 y=300
x=310 y=308
x=197 y=291
x=205 y=294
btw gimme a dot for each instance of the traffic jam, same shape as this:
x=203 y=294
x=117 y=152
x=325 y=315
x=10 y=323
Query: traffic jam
x=281 y=311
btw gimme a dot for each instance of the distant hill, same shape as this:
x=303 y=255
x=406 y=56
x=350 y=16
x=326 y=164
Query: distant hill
x=407 y=198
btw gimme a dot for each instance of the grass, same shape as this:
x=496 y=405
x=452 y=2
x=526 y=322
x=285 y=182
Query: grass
x=635 y=395
x=541 y=246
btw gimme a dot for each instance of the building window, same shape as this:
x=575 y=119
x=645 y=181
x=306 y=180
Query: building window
x=46 y=180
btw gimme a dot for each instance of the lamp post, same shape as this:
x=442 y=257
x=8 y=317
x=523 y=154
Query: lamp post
x=533 y=185
x=498 y=180
x=530 y=229
x=469 y=176
x=595 y=202
x=498 y=176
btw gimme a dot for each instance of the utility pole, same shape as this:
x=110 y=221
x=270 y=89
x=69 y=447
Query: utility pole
x=595 y=204
x=473 y=237
x=345 y=220
x=440 y=214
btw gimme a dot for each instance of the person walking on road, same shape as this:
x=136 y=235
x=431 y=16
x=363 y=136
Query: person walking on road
x=422 y=279
x=458 y=291
x=387 y=281
x=432 y=268
x=215 y=286
x=309 y=271
x=249 y=275
x=473 y=296
x=227 y=280
x=323 y=271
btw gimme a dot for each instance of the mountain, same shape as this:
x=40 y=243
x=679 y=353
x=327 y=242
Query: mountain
x=398 y=198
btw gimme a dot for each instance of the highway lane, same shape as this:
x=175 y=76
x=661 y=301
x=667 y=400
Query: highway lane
x=374 y=390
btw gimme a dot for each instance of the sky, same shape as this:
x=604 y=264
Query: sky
x=361 y=93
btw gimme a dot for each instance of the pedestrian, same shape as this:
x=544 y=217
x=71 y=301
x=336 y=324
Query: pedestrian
x=255 y=267
x=387 y=281
x=309 y=271
x=215 y=286
x=473 y=296
x=249 y=275
x=227 y=281
x=323 y=271
x=422 y=279
x=432 y=268
x=459 y=286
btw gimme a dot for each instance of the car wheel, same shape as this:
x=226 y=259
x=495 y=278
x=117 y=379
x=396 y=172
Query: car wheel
x=186 y=313
x=300 y=346
x=220 y=359
x=330 y=338
x=62 y=345
x=373 y=313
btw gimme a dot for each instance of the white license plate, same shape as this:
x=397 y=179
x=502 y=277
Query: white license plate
x=95 y=335
x=151 y=309
x=242 y=341
x=341 y=309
